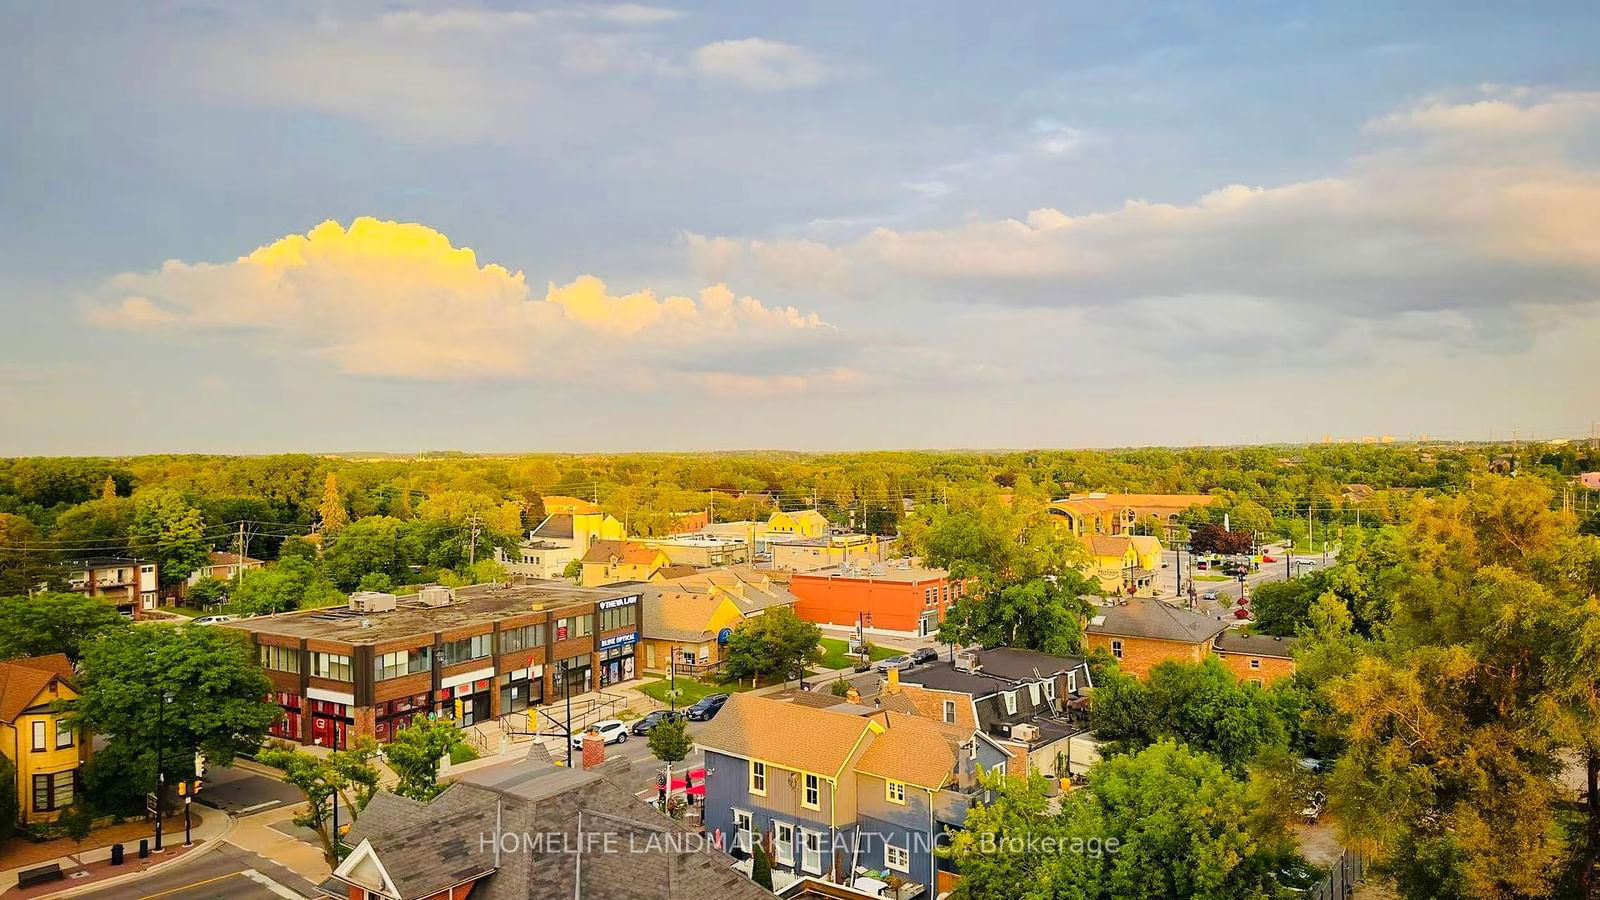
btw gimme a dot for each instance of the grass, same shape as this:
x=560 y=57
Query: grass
x=1213 y=578
x=690 y=690
x=837 y=654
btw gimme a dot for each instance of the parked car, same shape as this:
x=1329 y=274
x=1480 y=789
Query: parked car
x=1269 y=559
x=893 y=662
x=652 y=719
x=924 y=655
x=1201 y=565
x=707 y=708
x=1209 y=595
x=612 y=731
x=212 y=620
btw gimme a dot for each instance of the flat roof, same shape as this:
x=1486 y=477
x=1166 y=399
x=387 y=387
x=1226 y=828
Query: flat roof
x=474 y=605
x=877 y=572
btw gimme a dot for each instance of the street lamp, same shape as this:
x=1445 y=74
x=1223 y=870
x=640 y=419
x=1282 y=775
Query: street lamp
x=161 y=775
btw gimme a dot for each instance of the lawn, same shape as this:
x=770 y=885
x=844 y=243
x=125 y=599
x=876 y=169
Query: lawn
x=1213 y=578
x=837 y=654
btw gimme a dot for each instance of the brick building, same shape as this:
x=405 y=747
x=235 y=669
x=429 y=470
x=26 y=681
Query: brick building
x=896 y=596
x=1258 y=658
x=1141 y=632
x=133 y=585
x=472 y=654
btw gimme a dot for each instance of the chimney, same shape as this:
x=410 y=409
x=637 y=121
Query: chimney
x=594 y=749
x=893 y=687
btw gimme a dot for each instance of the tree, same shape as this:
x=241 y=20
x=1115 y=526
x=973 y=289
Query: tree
x=776 y=643
x=54 y=623
x=1014 y=846
x=108 y=489
x=414 y=756
x=331 y=513
x=375 y=581
x=1045 y=614
x=573 y=569
x=1215 y=539
x=206 y=592
x=8 y=798
x=1281 y=607
x=348 y=777
x=1200 y=704
x=97 y=523
x=669 y=741
x=288 y=584
x=364 y=547
x=761 y=866
x=23 y=566
x=168 y=530
x=218 y=690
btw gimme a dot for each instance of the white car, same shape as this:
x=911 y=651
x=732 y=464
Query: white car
x=612 y=731
x=212 y=620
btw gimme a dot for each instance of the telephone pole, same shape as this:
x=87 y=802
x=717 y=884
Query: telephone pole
x=473 y=523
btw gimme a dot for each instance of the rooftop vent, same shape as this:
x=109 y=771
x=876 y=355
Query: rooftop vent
x=967 y=661
x=435 y=595
x=372 y=601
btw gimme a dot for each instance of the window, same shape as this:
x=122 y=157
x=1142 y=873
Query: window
x=758 y=778
x=949 y=712
x=1116 y=649
x=467 y=649
x=1050 y=689
x=972 y=750
x=280 y=659
x=1011 y=702
x=619 y=617
x=39 y=727
x=583 y=625
x=332 y=666
x=744 y=830
x=403 y=662
x=53 y=792
x=811 y=852
x=897 y=858
x=1033 y=692
x=895 y=792
x=783 y=843
x=927 y=596
x=1072 y=682
x=813 y=793
x=63 y=735
x=524 y=638
x=1255 y=663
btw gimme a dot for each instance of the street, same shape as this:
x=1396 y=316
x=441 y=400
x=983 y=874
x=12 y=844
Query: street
x=226 y=872
x=242 y=792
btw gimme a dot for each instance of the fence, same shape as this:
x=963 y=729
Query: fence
x=1342 y=881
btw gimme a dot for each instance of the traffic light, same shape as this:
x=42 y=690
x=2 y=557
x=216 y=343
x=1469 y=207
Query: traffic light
x=199 y=764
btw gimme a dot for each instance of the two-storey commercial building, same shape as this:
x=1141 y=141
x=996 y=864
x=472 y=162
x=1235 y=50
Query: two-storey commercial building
x=472 y=654
x=899 y=596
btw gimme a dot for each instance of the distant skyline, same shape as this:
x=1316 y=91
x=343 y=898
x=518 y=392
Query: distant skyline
x=821 y=226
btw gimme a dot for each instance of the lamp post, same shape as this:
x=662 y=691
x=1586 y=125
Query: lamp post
x=161 y=775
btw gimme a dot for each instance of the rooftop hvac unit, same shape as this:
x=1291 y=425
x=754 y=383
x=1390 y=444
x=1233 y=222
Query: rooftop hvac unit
x=967 y=661
x=1025 y=732
x=435 y=595
x=372 y=602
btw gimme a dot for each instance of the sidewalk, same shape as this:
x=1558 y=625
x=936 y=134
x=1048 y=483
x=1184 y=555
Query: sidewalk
x=259 y=835
x=92 y=869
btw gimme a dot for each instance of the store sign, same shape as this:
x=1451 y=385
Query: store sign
x=619 y=601
x=621 y=640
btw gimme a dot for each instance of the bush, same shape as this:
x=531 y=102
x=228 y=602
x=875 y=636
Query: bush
x=461 y=753
x=840 y=688
x=76 y=821
x=761 y=867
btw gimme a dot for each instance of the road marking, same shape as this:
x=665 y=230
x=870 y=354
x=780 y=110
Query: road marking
x=271 y=885
x=190 y=886
x=258 y=806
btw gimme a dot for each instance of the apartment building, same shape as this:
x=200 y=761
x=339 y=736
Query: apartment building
x=470 y=655
x=131 y=584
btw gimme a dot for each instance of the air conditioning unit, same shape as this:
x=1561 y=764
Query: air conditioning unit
x=967 y=661
x=372 y=602
x=1025 y=732
x=435 y=595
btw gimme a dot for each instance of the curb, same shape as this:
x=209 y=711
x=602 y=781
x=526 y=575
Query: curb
x=205 y=846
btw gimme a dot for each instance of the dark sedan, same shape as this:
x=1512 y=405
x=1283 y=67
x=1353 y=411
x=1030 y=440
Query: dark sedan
x=651 y=720
x=707 y=708
x=924 y=655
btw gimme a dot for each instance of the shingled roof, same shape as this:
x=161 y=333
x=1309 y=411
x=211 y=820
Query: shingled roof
x=1256 y=645
x=758 y=728
x=21 y=680
x=1148 y=618
x=630 y=553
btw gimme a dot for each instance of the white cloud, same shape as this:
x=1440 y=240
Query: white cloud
x=1501 y=114
x=384 y=298
x=758 y=64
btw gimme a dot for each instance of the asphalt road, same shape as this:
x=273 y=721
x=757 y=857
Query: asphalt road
x=242 y=792
x=226 y=872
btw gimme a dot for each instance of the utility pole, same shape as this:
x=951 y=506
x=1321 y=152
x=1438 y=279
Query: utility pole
x=474 y=523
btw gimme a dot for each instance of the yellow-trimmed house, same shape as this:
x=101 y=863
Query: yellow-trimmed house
x=1114 y=561
x=47 y=755
x=802 y=523
x=689 y=627
x=610 y=562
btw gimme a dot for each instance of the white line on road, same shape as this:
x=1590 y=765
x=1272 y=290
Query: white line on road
x=271 y=885
x=251 y=809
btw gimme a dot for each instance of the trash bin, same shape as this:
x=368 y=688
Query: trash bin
x=144 y=848
x=116 y=854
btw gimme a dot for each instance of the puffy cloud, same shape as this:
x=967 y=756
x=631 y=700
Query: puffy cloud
x=386 y=298
x=1453 y=217
x=758 y=64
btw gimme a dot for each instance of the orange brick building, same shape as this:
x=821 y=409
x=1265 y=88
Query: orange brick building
x=895 y=596
x=1258 y=658
x=1143 y=632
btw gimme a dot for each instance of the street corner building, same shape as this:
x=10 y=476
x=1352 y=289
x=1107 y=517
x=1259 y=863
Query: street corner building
x=471 y=654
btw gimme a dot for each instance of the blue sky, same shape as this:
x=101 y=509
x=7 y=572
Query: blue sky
x=819 y=225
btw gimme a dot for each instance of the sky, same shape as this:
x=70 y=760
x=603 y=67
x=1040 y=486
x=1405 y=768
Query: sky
x=500 y=227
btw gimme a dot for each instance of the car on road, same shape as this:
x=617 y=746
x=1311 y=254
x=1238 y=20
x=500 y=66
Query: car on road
x=924 y=655
x=1201 y=565
x=211 y=620
x=652 y=719
x=612 y=731
x=1269 y=559
x=1209 y=595
x=893 y=662
x=706 y=708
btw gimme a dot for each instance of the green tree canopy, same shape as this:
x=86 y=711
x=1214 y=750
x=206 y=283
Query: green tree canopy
x=167 y=529
x=415 y=752
x=54 y=623
x=1200 y=704
x=776 y=643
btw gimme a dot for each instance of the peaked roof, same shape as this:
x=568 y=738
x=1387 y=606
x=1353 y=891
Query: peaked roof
x=631 y=553
x=1107 y=545
x=556 y=526
x=561 y=504
x=804 y=516
x=1148 y=618
x=752 y=590
x=21 y=680
x=219 y=558
x=678 y=615
x=771 y=730
x=910 y=749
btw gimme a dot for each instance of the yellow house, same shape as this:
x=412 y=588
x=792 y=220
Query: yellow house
x=691 y=628
x=802 y=523
x=612 y=561
x=578 y=530
x=1148 y=549
x=1115 y=563
x=47 y=754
